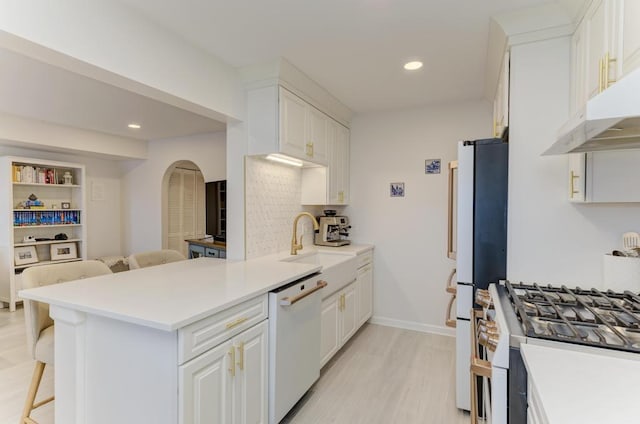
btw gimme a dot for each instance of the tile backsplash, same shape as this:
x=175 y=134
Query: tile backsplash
x=272 y=197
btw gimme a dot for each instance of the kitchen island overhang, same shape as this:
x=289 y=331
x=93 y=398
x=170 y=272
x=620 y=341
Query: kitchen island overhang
x=120 y=338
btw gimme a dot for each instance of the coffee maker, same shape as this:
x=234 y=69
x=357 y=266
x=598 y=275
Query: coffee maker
x=334 y=230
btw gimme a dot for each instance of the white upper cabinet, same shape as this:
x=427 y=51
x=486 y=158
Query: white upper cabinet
x=605 y=47
x=293 y=111
x=316 y=135
x=279 y=121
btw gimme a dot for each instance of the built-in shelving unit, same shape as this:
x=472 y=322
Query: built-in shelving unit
x=44 y=210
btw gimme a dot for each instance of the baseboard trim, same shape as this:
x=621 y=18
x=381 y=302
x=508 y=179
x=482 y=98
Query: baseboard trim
x=415 y=326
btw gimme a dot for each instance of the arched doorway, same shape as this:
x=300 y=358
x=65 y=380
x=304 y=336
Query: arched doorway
x=184 y=209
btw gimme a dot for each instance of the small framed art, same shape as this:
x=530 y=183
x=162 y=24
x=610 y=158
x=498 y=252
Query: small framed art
x=66 y=205
x=61 y=251
x=24 y=255
x=432 y=166
x=396 y=189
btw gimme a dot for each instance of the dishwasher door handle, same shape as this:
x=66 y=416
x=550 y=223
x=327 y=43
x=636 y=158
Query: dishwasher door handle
x=288 y=301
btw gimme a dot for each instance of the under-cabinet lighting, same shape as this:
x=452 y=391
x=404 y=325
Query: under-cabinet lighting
x=413 y=66
x=134 y=126
x=284 y=159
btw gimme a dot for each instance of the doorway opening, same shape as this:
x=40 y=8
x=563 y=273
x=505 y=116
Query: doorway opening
x=184 y=208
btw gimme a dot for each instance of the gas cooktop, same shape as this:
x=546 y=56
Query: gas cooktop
x=588 y=317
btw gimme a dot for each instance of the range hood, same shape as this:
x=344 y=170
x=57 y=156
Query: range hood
x=610 y=121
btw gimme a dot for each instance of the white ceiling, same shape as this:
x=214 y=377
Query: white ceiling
x=39 y=91
x=353 y=48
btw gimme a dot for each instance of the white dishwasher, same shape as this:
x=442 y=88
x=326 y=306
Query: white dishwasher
x=294 y=343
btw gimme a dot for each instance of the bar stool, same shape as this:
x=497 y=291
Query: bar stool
x=154 y=257
x=39 y=325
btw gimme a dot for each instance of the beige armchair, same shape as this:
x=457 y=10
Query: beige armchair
x=155 y=257
x=39 y=325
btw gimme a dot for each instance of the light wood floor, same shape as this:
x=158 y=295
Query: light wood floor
x=16 y=368
x=383 y=375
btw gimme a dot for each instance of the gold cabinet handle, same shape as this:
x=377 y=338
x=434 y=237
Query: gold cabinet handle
x=241 y=354
x=236 y=322
x=450 y=322
x=573 y=191
x=341 y=196
x=309 y=151
x=232 y=361
x=288 y=301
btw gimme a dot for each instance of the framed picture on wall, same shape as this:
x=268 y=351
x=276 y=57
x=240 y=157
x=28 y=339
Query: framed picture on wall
x=61 y=251
x=396 y=189
x=432 y=166
x=25 y=255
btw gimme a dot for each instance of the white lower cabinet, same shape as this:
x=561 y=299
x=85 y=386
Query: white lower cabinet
x=345 y=311
x=228 y=383
x=339 y=321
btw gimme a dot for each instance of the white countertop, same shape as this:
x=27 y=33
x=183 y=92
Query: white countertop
x=171 y=296
x=585 y=388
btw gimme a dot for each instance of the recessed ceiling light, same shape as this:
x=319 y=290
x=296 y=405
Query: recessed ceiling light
x=134 y=126
x=412 y=66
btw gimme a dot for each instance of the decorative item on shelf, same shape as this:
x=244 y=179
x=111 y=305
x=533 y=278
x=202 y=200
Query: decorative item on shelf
x=62 y=251
x=25 y=255
x=28 y=239
x=432 y=166
x=65 y=205
x=33 y=203
x=61 y=236
x=397 y=189
x=68 y=178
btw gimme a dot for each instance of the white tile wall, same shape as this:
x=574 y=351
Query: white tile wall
x=272 y=202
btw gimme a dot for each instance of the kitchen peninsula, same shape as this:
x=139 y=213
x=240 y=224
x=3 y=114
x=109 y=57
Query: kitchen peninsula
x=148 y=344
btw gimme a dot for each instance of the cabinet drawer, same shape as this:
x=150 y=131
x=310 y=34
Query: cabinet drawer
x=365 y=258
x=210 y=332
x=212 y=253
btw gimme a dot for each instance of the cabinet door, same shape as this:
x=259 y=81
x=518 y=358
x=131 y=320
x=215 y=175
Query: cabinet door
x=577 y=177
x=595 y=21
x=330 y=325
x=251 y=375
x=293 y=115
x=365 y=293
x=630 y=35
x=205 y=387
x=349 y=319
x=317 y=130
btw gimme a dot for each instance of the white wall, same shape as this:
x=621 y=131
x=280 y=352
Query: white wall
x=103 y=216
x=272 y=202
x=104 y=40
x=142 y=184
x=409 y=233
x=550 y=239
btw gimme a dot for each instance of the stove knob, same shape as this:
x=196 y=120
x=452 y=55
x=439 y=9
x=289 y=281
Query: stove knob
x=483 y=298
x=492 y=341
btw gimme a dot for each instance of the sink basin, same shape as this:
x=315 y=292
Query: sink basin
x=337 y=270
